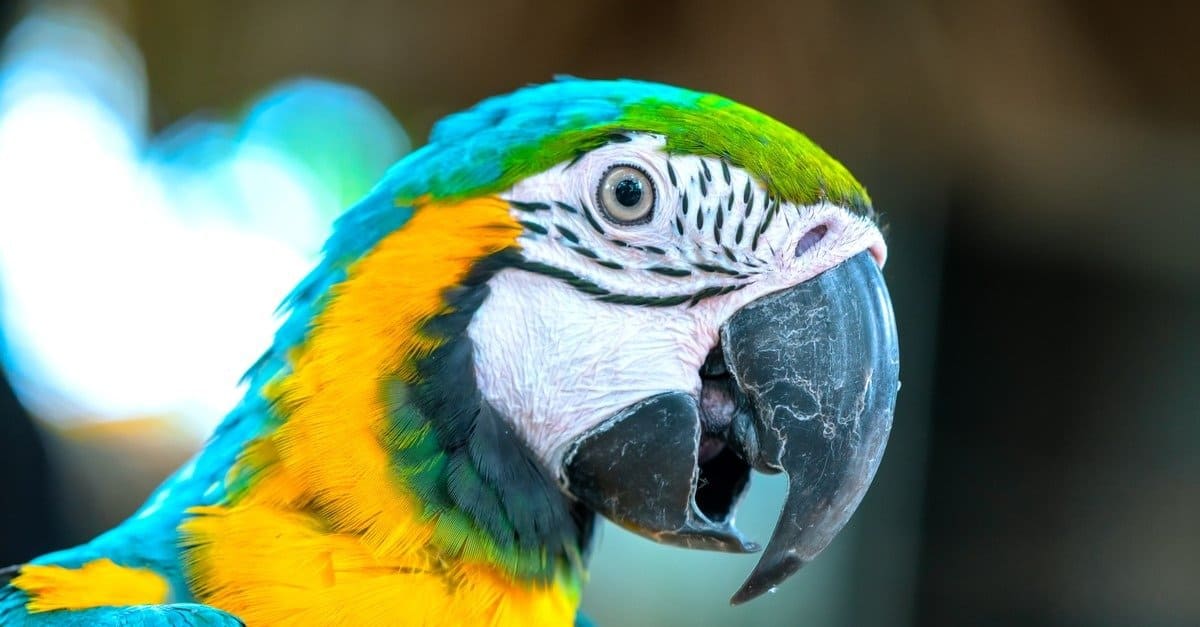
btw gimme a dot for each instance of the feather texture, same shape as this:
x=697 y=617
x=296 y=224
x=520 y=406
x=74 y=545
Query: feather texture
x=504 y=139
x=363 y=479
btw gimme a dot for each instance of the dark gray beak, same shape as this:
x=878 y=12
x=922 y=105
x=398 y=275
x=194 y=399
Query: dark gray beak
x=811 y=375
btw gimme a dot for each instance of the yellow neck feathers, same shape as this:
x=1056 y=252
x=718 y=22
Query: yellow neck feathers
x=324 y=534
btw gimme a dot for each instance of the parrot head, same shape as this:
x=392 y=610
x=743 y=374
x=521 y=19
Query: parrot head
x=686 y=290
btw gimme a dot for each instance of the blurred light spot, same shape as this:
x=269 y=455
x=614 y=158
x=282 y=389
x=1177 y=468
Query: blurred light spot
x=139 y=275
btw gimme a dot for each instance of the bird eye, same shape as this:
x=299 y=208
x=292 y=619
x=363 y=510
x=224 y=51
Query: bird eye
x=626 y=195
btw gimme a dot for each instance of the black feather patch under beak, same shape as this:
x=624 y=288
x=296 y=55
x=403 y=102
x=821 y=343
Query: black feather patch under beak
x=808 y=377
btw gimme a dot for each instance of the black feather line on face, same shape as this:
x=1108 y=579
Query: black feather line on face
x=586 y=252
x=567 y=234
x=769 y=209
x=587 y=213
x=589 y=287
x=709 y=267
x=579 y=155
x=530 y=207
x=771 y=213
x=534 y=227
x=645 y=301
x=672 y=272
x=566 y=276
x=704 y=293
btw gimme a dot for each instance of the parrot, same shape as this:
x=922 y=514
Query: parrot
x=581 y=299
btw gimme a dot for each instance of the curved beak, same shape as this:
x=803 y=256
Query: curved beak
x=812 y=374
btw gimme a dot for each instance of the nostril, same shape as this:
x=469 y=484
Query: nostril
x=811 y=238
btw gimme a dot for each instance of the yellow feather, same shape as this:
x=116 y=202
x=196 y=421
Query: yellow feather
x=96 y=583
x=325 y=534
x=307 y=575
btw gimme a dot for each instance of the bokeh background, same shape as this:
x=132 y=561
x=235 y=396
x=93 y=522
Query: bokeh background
x=169 y=168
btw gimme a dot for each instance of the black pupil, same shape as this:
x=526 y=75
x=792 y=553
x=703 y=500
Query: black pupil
x=628 y=192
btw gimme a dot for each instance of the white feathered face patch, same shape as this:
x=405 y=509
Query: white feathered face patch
x=632 y=259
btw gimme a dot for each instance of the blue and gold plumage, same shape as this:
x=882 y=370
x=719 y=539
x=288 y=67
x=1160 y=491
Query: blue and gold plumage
x=362 y=478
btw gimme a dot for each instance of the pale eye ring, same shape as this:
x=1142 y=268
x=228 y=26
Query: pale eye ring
x=626 y=195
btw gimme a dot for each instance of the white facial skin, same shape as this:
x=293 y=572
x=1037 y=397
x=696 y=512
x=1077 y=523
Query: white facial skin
x=557 y=360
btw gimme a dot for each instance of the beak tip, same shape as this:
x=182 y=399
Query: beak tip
x=766 y=576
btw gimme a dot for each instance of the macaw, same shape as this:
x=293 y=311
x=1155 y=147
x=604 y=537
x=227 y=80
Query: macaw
x=582 y=298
